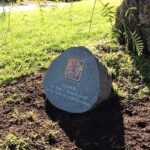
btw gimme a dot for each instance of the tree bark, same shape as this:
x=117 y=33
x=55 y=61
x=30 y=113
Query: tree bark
x=140 y=22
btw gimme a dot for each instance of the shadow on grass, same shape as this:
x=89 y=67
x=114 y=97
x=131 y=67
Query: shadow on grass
x=100 y=129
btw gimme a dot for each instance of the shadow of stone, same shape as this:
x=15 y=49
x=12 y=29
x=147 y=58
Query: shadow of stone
x=100 y=129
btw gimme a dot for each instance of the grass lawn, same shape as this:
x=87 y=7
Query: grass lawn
x=30 y=40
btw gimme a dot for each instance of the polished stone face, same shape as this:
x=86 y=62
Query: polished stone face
x=72 y=82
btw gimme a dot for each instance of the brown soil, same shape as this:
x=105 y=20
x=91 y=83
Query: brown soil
x=115 y=124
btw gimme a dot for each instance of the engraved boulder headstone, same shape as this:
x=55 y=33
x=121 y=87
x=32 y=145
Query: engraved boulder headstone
x=76 y=81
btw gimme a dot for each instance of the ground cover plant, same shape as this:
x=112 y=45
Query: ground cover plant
x=29 y=41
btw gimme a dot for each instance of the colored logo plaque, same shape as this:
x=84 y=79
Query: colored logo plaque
x=74 y=69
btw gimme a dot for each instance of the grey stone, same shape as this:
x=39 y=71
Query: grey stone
x=76 y=82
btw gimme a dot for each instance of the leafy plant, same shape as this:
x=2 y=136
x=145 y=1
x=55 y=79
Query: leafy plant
x=138 y=45
x=131 y=37
x=17 y=116
x=13 y=98
x=13 y=142
x=108 y=12
x=129 y=13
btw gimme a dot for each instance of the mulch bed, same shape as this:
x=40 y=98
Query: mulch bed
x=116 y=124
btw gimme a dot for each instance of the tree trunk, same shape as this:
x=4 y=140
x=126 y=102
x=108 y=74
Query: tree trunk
x=140 y=22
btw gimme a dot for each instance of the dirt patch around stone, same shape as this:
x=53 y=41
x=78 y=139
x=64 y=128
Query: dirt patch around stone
x=116 y=124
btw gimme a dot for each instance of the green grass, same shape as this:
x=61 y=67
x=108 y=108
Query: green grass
x=32 y=39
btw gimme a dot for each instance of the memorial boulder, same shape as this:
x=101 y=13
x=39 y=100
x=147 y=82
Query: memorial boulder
x=76 y=81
